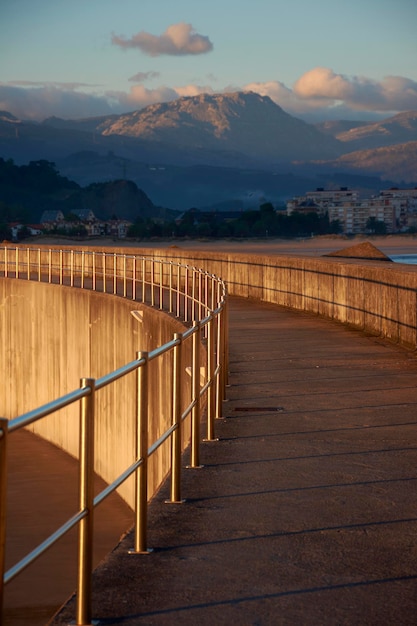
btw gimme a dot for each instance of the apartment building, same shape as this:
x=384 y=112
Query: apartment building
x=398 y=211
x=354 y=216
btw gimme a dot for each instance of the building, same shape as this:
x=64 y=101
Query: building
x=354 y=217
x=345 y=206
x=405 y=203
x=319 y=200
x=52 y=219
x=86 y=218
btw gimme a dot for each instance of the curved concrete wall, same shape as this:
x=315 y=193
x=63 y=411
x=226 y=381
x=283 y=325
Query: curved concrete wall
x=51 y=336
x=101 y=335
x=375 y=296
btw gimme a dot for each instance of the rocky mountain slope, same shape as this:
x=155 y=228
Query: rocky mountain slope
x=400 y=128
x=206 y=149
x=394 y=162
x=241 y=122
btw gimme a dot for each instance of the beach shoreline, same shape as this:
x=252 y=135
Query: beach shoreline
x=311 y=246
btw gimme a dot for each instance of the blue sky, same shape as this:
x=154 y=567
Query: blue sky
x=343 y=59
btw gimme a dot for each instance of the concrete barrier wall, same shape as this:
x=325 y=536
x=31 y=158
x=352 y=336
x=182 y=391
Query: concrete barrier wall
x=375 y=296
x=51 y=336
x=101 y=335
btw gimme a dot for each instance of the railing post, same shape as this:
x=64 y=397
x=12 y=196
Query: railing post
x=28 y=262
x=186 y=295
x=72 y=268
x=195 y=414
x=86 y=527
x=178 y=291
x=39 y=265
x=61 y=267
x=6 y=263
x=143 y=280
x=226 y=343
x=193 y=297
x=176 y=421
x=219 y=366
x=199 y=296
x=114 y=273
x=104 y=272
x=82 y=268
x=50 y=265
x=3 y=499
x=134 y=279
x=124 y=277
x=161 y=286
x=153 y=282
x=170 y=288
x=222 y=355
x=16 y=273
x=211 y=397
x=141 y=492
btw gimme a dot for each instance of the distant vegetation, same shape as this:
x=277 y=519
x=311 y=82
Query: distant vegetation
x=262 y=222
x=27 y=190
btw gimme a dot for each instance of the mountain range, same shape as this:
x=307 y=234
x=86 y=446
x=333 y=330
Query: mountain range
x=207 y=150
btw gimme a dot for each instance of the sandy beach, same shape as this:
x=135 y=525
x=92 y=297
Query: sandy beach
x=314 y=246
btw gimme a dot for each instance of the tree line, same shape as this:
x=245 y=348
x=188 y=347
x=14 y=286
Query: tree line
x=262 y=222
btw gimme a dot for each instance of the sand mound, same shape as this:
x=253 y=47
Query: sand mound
x=365 y=250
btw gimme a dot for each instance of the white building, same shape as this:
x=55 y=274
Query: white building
x=344 y=205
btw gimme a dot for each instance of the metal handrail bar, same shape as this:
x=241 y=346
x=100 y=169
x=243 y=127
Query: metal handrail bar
x=46 y=409
x=193 y=305
x=117 y=482
x=205 y=387
x=111 y=377
x=44 y=546
x=158 y=442
x=61 y=267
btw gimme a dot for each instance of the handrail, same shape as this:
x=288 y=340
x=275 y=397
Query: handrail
x=201 y=302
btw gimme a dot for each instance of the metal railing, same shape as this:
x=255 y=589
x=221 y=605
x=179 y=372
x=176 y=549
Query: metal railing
x=196 y=297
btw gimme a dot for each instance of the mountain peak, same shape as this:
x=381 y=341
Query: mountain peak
x=244 y=122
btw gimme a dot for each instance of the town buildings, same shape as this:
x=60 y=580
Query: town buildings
x=395 y=209
x=85 y=222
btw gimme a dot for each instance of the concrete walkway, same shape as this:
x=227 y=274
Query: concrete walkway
x=305 y=512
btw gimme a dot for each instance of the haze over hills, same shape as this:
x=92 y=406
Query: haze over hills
x=364 y=136
x=208 y=149
x=393 y=162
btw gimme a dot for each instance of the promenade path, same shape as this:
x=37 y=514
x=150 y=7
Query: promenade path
x=305 y=510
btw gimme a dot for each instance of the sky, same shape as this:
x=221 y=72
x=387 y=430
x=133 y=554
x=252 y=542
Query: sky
x=322 y=60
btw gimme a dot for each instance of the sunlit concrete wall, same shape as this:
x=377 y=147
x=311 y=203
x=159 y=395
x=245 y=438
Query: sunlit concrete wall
x=57 y=334
x=51 y=336
x=375 y=296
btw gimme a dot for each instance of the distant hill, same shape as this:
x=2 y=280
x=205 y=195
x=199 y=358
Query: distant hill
x=336 y=127
x=400 y=128
x=28 y=190
x=241 y=122
x=395 y=162
x=204 y=150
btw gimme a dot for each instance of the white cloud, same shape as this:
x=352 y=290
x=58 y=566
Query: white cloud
x=277 y=91
x=178 y=40
x=321 y=93
x=139 y=97
x=38 y=103
x=317 y=95
x=393 y=93
x=323 y=83
x=140 y=77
